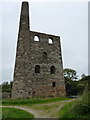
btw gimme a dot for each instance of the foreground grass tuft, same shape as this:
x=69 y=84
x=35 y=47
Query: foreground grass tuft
x=15 y=113
x=65 y=111
x=79 y=109
x=71 y=110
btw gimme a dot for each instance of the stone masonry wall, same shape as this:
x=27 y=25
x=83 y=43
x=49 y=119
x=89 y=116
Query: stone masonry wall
x=42 y=82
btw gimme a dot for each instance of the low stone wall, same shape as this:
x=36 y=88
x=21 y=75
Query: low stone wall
x=6 y=95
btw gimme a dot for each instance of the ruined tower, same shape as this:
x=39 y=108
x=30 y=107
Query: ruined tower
x=38 y=67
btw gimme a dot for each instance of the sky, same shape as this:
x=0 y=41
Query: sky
x=69 y=20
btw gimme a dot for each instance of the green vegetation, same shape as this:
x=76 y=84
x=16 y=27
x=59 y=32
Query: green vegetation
x=6 y=87
x=45 y=107
x=73 y=110
x=0 y=102
x=48 y=109
x=74 y=86
x=32 y=101
x=65 y=111
x=15 y=113
x=0 y=113
x=77 y=109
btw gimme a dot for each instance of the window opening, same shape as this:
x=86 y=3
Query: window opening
x=37 y=69
x=52 y=69
x=36 y=38
x=53 y=84
x=44 y=55
x=50 y=41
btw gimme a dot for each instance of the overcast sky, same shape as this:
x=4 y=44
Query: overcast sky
x=69 y=20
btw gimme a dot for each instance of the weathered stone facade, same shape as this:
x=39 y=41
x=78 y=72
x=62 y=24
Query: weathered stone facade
x=38 y=67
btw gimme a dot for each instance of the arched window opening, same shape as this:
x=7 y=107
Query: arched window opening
x=36 y=38
x=52 y=69
x=44 y=55
x=53 y=84
x=37 y=69
x=33 y=92
x=50 y=41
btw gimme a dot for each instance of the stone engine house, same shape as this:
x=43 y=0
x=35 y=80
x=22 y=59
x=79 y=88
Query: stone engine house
x=38 y=67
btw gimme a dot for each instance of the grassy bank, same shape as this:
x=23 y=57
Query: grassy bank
x=32 y=101
x=71 y=110
x=79 y=109
x=65 y=111
x=15 y=113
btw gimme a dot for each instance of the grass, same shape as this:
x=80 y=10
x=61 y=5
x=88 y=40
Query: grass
x=65 y=111
x=0 y=113
x=32 y=101
x=15 y=113
x=79 y=109
x=44 y=107
x=0 y=102
x=48 y=109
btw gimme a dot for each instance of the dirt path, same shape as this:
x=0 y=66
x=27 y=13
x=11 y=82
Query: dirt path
x=40 y=111
x=34 y=112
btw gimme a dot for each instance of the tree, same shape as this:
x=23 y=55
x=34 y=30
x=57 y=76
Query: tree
x=82 y=83
x=70 y=74
x=74 y=87
x=6 y=87
x=83 y=75
x=85 y=78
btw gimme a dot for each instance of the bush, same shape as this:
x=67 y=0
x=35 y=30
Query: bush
x=77 y=109
x=82 y=106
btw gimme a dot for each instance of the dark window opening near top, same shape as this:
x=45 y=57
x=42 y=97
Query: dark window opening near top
x=44 y=55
